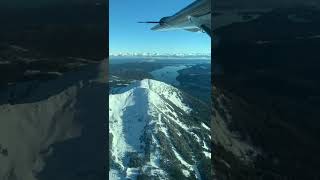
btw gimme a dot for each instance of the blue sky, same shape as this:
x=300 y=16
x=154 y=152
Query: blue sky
x=126 y=35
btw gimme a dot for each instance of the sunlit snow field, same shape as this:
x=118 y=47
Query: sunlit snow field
x=143 y=114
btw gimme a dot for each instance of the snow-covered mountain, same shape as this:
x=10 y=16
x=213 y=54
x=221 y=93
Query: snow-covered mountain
x=46 y=127
x=158 y=132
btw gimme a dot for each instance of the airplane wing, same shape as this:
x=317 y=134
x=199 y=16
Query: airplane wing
x=195 y=17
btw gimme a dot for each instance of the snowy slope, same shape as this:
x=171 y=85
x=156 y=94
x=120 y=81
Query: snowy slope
x=52 y=112
x=151 y=133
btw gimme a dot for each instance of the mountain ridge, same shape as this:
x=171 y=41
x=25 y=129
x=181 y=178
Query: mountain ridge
x=153 y=136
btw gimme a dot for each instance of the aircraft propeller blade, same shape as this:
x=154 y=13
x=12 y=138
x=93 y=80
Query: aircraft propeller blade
x=150 y=22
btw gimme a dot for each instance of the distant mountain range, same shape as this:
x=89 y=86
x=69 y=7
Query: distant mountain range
x=146 y=54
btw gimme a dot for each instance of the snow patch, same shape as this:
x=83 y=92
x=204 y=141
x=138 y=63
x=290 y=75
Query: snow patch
x=207 y=154
x=205 y=126
x=186 y=173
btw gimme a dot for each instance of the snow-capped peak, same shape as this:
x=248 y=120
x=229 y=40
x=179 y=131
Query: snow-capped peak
x=144 y=117
x=160 y=88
